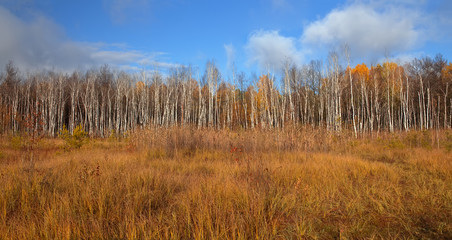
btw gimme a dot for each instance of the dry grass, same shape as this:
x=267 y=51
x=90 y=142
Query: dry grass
x=199 y=184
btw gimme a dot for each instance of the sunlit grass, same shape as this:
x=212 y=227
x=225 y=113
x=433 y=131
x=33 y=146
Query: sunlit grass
x=185 y=184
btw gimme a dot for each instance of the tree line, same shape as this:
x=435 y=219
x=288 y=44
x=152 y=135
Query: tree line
x=331 y=95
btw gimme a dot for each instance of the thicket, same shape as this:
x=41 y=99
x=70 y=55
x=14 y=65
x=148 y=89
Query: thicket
x=385 y=97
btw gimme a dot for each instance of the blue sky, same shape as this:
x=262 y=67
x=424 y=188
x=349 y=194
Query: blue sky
x=257 y=36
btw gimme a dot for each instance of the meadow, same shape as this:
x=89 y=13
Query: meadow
x=187 y=183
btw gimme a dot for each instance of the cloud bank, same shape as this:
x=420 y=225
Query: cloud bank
x=38 y=44
x=41 y=44
x=270 y=50
x=372 y=29
x=367 y=31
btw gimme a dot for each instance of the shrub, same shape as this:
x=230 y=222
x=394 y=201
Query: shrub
x=76 y=139
x=395 y=143
x=17 y=142
x=421 y=139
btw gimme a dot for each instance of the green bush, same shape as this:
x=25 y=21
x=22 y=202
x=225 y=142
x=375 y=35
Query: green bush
x=76 y=139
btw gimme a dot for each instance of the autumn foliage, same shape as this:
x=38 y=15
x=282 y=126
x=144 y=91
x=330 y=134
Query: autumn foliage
x=365 y=99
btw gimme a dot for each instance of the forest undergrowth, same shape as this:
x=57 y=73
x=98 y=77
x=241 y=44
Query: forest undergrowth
x=187 y=183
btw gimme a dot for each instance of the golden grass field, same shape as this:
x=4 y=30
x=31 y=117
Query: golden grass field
x=184 y=183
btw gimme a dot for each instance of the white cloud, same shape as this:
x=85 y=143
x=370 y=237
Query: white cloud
x=230 y=54
x=151 y=62
x=271 y=50
x=403 y=58
x=42 y=44
x=117 y=57
x=367 y=30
